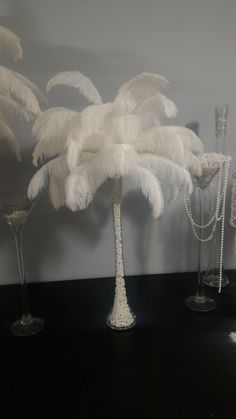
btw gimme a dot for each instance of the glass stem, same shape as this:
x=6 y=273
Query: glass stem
x=201 y=198
x=17 y=232
x=220 y=143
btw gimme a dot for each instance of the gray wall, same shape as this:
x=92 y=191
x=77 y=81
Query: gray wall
x=190 y=42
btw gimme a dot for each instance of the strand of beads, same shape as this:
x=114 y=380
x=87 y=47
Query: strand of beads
x=232 y=220
x=226 y=175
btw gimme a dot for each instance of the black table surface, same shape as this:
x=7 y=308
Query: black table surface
x=174 y=363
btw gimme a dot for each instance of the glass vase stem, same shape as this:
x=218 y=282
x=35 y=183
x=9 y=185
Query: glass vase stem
x=17 y=232
x=201 y=203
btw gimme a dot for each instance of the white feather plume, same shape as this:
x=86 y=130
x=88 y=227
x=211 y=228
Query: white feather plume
x=94 y=115
x=163 y=142
x=143 y=81
x=47 y=122
x=78 y=81
x=116 y=160
x=9 y=81
x=158 y=105
x=75 y=146
x=192 y=163
x=189 y=139
x=10 y=107
x=55 y=173
x=7 y=134
x=167 y=171
x=123 y=128
x=50 y=131
x=132 y=93
x=82 y=183
x=36 y=91
x=10 y=44
x=150 y=188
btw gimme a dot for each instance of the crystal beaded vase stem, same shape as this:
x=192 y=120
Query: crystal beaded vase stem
x=16 y=211
x=121 y=316
x=199 y=301
x=212 y=274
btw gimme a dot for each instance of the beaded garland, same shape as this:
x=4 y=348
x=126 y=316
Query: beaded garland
x=209 y=162
x=232 y=220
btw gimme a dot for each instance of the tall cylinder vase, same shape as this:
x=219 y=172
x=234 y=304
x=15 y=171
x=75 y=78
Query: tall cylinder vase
x=212 y=274
x=121 y=316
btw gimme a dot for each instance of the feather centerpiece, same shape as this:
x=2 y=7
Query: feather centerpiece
x=18 y=95
x=121 y=139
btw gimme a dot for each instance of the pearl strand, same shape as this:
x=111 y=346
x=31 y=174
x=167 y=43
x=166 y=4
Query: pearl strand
x=232 y=220
x=227 y=164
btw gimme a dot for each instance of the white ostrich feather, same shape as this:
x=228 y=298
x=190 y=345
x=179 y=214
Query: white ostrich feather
x=113 y=161
x=11 y=82
x=51 y=121
x=82 y=184
x=10 y=107
x=78 y=81
x=50 y=131
x=7 y=134
x=36 y=91
x=163 y=142
x=10 y=44
x=56 y=186
x=141 y=82
x=57 y=169
x=123 y=128
x=189 y=139
x=158 y=105
x=85 y=135
x=94 y=115
x=135 y=91
x=75 y=146
x=150 y=188
x=117 y=159
x=192 y=163
x=167 y=171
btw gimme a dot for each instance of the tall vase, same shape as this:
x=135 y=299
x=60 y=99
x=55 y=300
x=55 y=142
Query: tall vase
x=212 y=275
x=199 y=301
x=16 y=211
x=121 y=316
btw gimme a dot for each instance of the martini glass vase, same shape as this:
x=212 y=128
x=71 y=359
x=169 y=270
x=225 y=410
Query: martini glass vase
x=120 y=316
x=199 y=301
x=16 y=211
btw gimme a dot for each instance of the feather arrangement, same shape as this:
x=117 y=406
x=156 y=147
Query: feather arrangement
x=19 y=97
x=117 y=139
x=114 y=140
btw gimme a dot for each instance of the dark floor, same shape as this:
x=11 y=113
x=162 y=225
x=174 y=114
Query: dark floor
x=174 y=364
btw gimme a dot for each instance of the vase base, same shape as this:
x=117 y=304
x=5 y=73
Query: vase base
x=213 y=281
x=200 y=303
x=27 y=326
x=121 y=328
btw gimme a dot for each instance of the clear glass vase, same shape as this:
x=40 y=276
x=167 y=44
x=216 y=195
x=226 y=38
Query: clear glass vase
x=16 y=211
x=212 y=274
x=121 y=316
